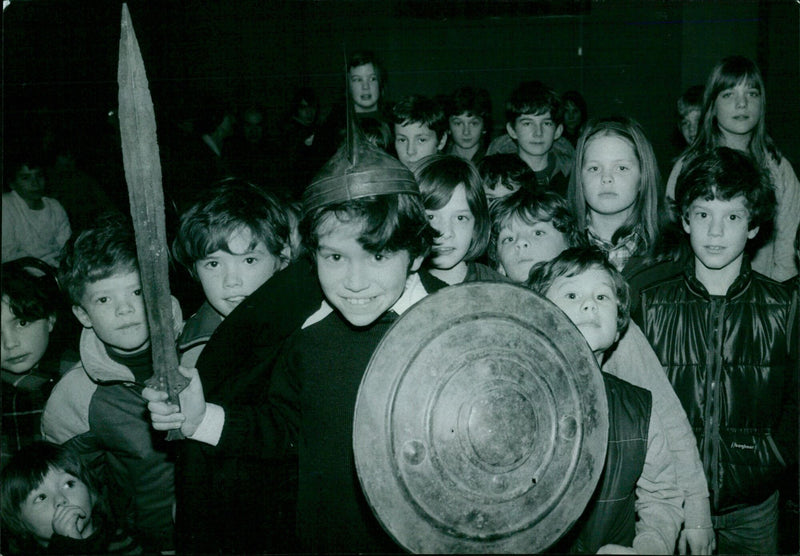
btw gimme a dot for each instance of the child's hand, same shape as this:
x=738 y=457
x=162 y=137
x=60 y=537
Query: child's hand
x=188 y=416
x=70 y=521
x=700 y=541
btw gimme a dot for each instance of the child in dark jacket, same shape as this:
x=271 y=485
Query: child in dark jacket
x=721 y=331
x=51 y=504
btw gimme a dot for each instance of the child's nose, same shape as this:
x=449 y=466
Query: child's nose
x=523 y=243
x=715 y=227
x=232 y=278
x=355 y=280
x=741 y=99
x=124 y=308
x=60 y=500
x=588 y=304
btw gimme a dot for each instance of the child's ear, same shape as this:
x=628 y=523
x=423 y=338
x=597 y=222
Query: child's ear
x=416 y=263
x=752 y=233
x=442 y=141
x=685 y=224
x=51 y=322
x=82 y=316
x=559 y=131
x=511 y=132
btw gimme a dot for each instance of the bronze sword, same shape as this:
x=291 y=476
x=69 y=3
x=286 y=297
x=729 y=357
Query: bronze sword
x=143 y=173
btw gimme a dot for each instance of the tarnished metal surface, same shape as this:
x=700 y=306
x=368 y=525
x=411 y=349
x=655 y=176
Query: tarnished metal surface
x=137 y=124
x=481 y=423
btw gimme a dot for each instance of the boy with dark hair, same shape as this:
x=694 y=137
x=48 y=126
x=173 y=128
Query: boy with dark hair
x=232 y=241
x=690 y=107
x=97 y=407
x=33 y=225
x=365 y=226
x=721 y=331
x=637 y=505
x=503 y=174
x=534 y=120
x=420 y=129
x=469 y=114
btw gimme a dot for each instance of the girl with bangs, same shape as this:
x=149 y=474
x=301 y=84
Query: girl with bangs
x=456 y=206
x=734 y=115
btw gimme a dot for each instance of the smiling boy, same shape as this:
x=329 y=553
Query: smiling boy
x=96 y=407
x=720 y=331
x=366 y=229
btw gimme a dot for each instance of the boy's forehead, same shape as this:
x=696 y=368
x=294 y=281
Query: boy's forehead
x=540 y=115
x=736 y=203
x=413 y=128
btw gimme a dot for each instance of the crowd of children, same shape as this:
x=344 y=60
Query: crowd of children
x=686 y=292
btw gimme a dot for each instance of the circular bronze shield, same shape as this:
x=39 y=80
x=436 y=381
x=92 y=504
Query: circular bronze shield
x=481 y=423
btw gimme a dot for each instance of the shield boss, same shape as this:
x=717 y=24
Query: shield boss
x=481 y=423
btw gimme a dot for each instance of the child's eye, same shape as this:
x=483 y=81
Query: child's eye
x=211 y=264
x=601 y=297
x=462 y=218
x=373 y=79
x=755 y=93
x=382 y=257
x=622 y=168
x=137 y=292
x=400 y=140
x=591 y=168
x=571 y=296
x=430 y=216
x=22 y=323
x=250 y=260
x=70 y=483
x=40 y=498
x=548 y=124
x=734 y=217
x=422 y=139
x=102 y=300
x=539 y=233
x=507 y=239
x=333 y=257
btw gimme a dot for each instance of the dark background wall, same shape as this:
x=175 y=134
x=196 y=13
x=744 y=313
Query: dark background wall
x=632 y=58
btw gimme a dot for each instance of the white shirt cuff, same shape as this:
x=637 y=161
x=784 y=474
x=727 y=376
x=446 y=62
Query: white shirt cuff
x=210 y=429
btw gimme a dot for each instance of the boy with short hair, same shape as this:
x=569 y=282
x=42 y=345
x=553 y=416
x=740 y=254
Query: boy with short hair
x=420 y=129
x=232 y=241
x=503 y=174
x=637 y=505
x=534 y=120
x=33 y=225
x=529 y=227
x=721 y=331
x=97 y=407
x=368 y=233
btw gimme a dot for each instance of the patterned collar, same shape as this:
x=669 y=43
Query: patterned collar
x=620 y=253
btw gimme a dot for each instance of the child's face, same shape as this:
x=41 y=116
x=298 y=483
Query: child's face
x=29 y=182
x=534 y=134
x=590 y=302
x=364 y=87
x=501 y=190
x=718 y=232
x=415 y=141
x=572 y=115
x=521 y=245
x=228 y=278
x=24 y=342
x=738 y=109
x=62 y=503
x=610 y=175
x=688 y=125
x=114 y=307
x=359 y=284
x=456 y=225
x=466 y=130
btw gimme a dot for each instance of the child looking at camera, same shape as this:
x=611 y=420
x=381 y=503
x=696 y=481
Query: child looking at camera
x=232 y=241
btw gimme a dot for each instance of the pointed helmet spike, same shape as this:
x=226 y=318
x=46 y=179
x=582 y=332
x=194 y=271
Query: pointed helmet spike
x=358 y=169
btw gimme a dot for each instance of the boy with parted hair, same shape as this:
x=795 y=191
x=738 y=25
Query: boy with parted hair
x=721 y=331
x=97 y=407
x=534 y=120
x=637 y=505
x=420 y=129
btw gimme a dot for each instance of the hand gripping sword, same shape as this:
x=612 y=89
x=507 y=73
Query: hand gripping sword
x=143 y=173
